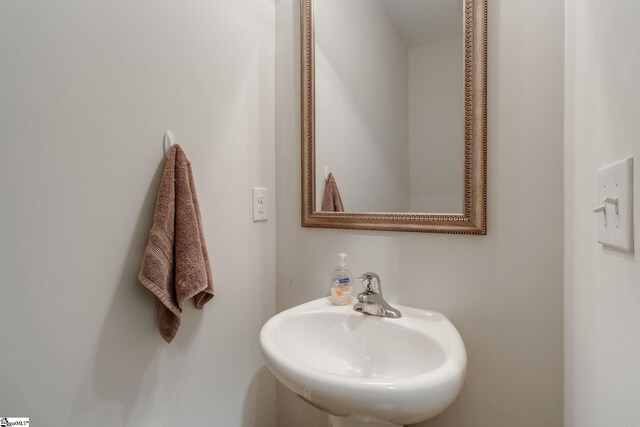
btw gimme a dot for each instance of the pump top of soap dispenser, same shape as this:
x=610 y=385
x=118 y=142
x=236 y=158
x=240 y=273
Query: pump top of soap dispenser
x=342 y=262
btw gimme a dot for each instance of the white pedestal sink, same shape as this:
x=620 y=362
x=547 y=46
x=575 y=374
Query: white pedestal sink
x=366 y=370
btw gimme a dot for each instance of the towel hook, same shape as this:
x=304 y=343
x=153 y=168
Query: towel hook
x=326 y=172
x=168 y=141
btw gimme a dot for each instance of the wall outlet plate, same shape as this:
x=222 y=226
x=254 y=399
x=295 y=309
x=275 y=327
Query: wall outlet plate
x=616 y=229
x=260 y=204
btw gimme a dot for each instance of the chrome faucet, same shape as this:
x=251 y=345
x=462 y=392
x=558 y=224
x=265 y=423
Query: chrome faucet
x=371 y=302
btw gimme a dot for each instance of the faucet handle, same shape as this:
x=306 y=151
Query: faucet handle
x=367 y=281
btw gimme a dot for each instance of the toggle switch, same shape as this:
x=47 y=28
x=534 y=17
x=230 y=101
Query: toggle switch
x=615 y=212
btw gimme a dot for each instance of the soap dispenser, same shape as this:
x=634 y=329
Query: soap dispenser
x=341 y=285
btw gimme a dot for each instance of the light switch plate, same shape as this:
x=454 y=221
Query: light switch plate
x=260 y=204
x=616 y=229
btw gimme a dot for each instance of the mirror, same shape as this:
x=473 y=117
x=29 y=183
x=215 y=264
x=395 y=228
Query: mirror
x=393 y=115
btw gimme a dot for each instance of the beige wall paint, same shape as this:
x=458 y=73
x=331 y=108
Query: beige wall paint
x=504 y=291
x=87 y=89
x=602 y=292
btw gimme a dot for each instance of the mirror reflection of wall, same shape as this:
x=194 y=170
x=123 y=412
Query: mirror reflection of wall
x=390 y=103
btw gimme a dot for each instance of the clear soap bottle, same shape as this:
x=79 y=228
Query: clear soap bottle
x=341 y=285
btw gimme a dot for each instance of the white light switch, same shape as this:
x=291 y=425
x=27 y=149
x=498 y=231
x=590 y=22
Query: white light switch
x=260 y=204
x=615 y=205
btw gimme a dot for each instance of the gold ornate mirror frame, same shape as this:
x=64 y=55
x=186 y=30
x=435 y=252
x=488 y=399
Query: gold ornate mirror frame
x=473 y=220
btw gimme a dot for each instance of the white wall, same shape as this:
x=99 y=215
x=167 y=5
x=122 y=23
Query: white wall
x=362 y=135
x=602 y=296
x=503 y=291
x=436 y=126
x=87 y=89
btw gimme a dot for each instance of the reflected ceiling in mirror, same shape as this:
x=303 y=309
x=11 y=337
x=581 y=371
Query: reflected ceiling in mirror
x=392 y=130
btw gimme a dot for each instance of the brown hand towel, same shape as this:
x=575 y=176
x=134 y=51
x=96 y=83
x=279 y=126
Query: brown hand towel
x=175 y=266
x=331 y=202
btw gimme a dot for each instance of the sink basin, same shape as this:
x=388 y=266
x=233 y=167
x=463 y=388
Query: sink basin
x=368 y=369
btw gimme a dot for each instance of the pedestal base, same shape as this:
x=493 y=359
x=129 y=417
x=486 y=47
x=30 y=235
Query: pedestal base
x=335 y=421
